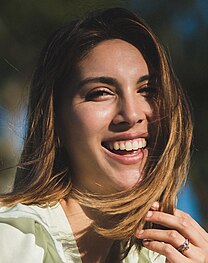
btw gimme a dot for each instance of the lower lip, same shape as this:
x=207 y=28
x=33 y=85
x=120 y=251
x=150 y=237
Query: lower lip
x=132 y=157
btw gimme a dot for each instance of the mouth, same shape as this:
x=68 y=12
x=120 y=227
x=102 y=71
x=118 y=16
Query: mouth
x=126 y=147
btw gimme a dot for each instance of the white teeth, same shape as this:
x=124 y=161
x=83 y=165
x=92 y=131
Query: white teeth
x=140 y=144
x=128 y=145
x=135 y=145
x=122 y=146
x=144 y=144
x=116 y=146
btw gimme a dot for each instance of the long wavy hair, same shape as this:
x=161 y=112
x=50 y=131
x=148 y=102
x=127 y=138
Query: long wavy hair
x=43 y=174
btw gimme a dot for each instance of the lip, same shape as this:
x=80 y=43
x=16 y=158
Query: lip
x=127 y=136
x=131 y=157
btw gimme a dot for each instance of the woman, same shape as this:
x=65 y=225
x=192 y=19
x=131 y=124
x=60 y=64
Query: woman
x=107 y=149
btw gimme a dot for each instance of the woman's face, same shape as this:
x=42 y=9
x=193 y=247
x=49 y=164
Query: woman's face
x=104 y=126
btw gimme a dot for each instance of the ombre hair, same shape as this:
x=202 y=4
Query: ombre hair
x=43 y=174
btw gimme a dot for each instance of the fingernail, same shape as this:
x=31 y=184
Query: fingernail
x=155 y=206
x=140 y=232
x=146 y=242
x=149 y=214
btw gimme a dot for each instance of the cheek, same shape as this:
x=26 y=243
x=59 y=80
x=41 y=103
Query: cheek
x=149 y=107
x=89 y=120
x=154 y=112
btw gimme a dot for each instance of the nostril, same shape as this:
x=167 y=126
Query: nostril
x=129 y=115
x=140 y=121
x=127 y=120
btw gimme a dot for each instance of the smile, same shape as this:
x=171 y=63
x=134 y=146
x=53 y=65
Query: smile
x=127 y=145
x=127 y=149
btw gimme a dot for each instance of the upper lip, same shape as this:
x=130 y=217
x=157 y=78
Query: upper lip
x=127 y=136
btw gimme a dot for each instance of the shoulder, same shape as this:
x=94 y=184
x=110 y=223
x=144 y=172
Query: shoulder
x=143 y=256
x=24 y=233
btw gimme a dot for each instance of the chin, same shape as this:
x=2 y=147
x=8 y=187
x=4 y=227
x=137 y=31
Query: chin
x=126 y=184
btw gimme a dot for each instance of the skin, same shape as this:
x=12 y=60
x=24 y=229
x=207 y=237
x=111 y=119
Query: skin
x=101 y=111
x=114 y=106
x=166 y=242
x=110 y=104
x=92 y=248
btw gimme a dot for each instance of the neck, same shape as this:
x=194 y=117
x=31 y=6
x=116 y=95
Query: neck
x=92 y=247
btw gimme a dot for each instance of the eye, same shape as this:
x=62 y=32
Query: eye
x=148 y=91
x=99 y=94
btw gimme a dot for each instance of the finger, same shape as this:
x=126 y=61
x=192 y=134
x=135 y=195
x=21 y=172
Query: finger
x=155 y=206
x=182 y=214
x=173 y=255
x=182 y=225
x=166 y=250
x=168 y=236
x=171 y=237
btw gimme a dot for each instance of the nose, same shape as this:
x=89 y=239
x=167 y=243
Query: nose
x=130 y=110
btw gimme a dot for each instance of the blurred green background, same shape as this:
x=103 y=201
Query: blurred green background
x=182 y=27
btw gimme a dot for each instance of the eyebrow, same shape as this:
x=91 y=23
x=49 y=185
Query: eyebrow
x=109 y=80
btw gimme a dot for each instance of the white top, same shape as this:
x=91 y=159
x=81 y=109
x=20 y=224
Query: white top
x=34 y=234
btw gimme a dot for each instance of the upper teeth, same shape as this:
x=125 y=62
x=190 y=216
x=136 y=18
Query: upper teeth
x=128 y=145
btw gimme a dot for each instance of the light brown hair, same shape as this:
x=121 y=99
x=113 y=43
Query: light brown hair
x=43 y=175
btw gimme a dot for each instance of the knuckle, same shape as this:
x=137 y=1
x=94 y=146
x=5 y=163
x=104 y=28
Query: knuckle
x=186 y=216
x=159 y=217
x=173 y=234
x=168 y=249
x=185 y=221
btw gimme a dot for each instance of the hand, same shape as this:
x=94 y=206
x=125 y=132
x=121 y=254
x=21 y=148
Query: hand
x=169 y=242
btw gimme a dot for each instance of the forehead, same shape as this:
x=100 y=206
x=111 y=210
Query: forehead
x=113 y=55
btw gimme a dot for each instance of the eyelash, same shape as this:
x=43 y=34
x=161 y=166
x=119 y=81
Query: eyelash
x=101 y=94
x=148 y=91
x=98 y=94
